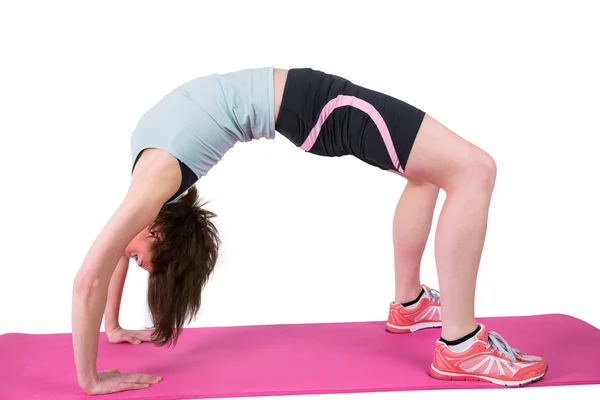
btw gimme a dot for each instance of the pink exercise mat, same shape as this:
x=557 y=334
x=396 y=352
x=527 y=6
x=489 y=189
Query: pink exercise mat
x=289 y=359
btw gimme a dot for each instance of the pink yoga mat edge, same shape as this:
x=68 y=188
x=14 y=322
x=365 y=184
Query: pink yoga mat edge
x=292 y=324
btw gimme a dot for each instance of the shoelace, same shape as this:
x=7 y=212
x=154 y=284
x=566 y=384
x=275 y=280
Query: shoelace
x=434 y=294
x=497 y=342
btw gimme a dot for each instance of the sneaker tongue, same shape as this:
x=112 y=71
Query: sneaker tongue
x=427 y=292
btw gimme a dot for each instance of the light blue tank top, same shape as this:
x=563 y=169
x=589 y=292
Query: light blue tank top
x=199 y=121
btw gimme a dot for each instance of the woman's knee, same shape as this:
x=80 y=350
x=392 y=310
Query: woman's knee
x=479 y=170
x=445 y=159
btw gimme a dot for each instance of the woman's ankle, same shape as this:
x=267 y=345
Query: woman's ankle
x=408 y=294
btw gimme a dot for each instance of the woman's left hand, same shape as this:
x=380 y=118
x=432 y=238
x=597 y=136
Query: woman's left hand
x=120 y=335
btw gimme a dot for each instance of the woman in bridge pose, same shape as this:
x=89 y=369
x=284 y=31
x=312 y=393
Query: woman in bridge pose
x=163 y=227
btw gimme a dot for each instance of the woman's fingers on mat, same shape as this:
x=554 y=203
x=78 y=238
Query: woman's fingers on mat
x=145 y=336
x=139 y=377
x=141 y=336
x=123 y=386
x=134 y=340
x=137 y=337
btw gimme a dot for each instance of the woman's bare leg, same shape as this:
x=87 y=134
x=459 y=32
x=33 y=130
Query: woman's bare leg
x=467 y=174
x=412 y=225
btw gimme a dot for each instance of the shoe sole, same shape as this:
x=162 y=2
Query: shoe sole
x=412 y=328
x=450 y=376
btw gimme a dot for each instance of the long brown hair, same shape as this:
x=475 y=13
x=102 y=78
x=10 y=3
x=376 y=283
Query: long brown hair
x=184 y=257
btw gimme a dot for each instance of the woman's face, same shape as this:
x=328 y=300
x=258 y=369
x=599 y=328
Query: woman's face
x=140 y=249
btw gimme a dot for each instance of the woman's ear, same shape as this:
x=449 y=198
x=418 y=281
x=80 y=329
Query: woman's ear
x=156 y=232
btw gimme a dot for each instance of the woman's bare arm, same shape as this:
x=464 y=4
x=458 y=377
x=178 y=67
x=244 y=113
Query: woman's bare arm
x=115 y=294
x=112 y=325
x=157 y=178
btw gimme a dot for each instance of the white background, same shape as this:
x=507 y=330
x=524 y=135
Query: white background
x=306 y=239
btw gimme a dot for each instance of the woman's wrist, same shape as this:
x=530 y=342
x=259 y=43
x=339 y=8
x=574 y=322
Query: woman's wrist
x=110 y=329
x=87 y=380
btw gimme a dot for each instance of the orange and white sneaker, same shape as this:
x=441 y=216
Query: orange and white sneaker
x=486 y=357
x=425 y=313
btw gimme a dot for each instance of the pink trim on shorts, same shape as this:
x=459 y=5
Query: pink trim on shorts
x=341 y=101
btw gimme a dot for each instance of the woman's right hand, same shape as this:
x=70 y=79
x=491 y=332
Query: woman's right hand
x=120 y=335
x=113 y=381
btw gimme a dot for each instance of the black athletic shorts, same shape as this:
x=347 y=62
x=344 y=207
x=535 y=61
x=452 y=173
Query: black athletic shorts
x=330 y=116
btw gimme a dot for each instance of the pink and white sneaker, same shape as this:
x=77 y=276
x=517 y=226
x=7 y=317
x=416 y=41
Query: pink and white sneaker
x=426 y=313
x=486 y=357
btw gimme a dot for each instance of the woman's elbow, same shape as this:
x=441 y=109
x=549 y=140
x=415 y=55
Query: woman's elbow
x=85 y=283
